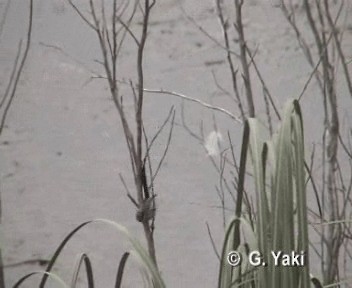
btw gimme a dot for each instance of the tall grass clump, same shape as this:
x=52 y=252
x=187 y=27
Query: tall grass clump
x=280 y=222
x=149 y=271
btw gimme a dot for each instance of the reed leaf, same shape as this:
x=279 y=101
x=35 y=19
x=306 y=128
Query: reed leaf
x=281 y=207
x=121 y=269
x=47 y=274
x=83 y=258
x=138 y=250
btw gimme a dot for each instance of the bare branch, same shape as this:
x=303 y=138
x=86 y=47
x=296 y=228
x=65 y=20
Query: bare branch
x=81 y=15
x=128 y=23
x=243 y=58
x=202 y=103
x=205 y=32
x=20 y=68
x=166 y=148
x=129 y=31
x=129 y=195
x=212 y=242
x=149 y=146
x=12 y=76
x=224 y=26
x=338 y=45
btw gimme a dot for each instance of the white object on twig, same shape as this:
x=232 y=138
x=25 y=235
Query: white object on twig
x=212 y=143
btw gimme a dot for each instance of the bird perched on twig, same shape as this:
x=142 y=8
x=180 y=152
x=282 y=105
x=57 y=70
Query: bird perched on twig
x=146 y=211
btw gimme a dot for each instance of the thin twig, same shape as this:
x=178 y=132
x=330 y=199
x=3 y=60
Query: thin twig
x=229 y=58
x=12 y=76
x=20 y=68
x=204 y=104
x=81 y=15
x=338 y=46
x=129 y=195
x=212 y=242
x=166 y=148
x=149 y=146
x=243 y=57
x=204 y=31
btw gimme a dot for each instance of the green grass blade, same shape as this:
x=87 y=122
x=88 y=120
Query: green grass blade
x=263 y=220
x=228 y=275
x=58 y=252
x=302 y=223
x=281 y=219
x=140 y=252
x=51 y=275
x=121 y=269
x=83 y=258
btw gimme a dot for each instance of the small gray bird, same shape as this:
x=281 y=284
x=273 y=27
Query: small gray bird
x=146 y=211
